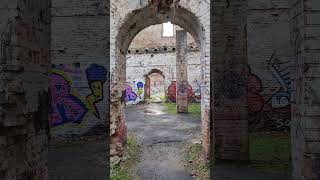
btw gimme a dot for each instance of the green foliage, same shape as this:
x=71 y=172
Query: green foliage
x=270 y=152
x=193 y=156
x=125 y=170
x=193 y=108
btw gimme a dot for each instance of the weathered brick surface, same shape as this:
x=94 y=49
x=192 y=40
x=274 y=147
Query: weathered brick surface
x=230 y=95
x=193 y=17
x=305 y=128
x=79 y=36
x=25 y=34
x=181 y=72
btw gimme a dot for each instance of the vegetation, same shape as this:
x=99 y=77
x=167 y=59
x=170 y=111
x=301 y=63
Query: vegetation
x=125 y=170
x=193 y=108
x=270 y=152
x=195 y=161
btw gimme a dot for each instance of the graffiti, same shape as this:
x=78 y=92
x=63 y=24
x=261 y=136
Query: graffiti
x=6 y=48
x=140 y=89
x=231 y=84
x=66 y=107
x=96 y=76
x=270 y=110
x=197 y=89
x=134 y=92
x=282 y=75
x=255 y=100
x=130 y=95
x=171 y=92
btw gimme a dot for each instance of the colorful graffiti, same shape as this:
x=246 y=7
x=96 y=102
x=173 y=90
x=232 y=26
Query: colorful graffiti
x=171 y=92
x=134 y=92
x=270 y=110
x=130 y=94
x=96 y=76
x=140 y=89
x=65 y=106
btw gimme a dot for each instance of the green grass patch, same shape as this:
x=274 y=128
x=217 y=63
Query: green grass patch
x=195 y=162
x=270 y=152
x=193 y=108
x=162 y=97
x=126 y=169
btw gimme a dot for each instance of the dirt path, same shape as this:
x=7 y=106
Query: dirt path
x=162 y=137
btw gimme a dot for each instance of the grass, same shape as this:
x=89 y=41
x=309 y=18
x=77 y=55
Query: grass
x=270 y=152
x=125 y=170
x=193 y=156
x=193 y=108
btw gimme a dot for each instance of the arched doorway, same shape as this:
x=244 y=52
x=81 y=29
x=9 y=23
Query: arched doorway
x=132 y=24
x=154 y=84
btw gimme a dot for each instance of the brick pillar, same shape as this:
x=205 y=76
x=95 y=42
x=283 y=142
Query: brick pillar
x=305 y=124
x=181 y=72
x=230 y=72
x=24 y=97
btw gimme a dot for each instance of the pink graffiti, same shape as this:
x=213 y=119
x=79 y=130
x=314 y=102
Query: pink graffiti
x=65 y=106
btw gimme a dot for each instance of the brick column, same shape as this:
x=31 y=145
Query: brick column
x=24 y=97
x=305 y=124
x=181 y=72
x=230 y=72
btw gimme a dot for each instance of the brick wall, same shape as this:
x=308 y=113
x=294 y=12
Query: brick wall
x=139 y=65
x=24 y=56
x=80 y=62
x=269 y=63
x=193 y=17
x=305 y=43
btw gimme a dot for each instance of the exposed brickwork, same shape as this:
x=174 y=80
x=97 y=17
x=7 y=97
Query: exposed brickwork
x=193 y=16
x=230 y=95
x=304 y=23
x=182 y=72
x=24 y=123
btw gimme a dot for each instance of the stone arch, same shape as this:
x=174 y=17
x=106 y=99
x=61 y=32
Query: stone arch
x=156 y=71
x=131 y=25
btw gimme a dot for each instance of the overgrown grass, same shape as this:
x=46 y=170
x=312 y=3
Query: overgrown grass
x=193 y=156
x=270 y=152
x=193 y=108
x=126 y=169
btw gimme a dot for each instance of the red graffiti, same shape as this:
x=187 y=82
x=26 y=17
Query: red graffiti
x=171 y=94
x=255 y=100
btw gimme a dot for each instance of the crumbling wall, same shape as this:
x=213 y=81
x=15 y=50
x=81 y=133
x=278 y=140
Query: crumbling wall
x=79 y=62
x=139 y=65
x=24 y=57
x=269 y=65
x=127 y=19
x=305 y=51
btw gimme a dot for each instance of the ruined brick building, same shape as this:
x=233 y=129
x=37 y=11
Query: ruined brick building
x=259 y=66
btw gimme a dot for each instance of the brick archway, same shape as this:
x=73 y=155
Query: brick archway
x=147 y=86
x=135 y=21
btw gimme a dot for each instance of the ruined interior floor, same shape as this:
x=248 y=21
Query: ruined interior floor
x=162 y=137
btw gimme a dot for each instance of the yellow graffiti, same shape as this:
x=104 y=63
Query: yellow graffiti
x=95 y=96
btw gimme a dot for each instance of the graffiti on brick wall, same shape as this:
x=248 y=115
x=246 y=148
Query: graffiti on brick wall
x=270 y=110
x=67 y=103
x=130 y=94
x=171 y=92
x=197 y=90
x=65 y=106
x=6 y=48
x=231 y=84
x=140 y=89
x=96 y=76
x=134 y=92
